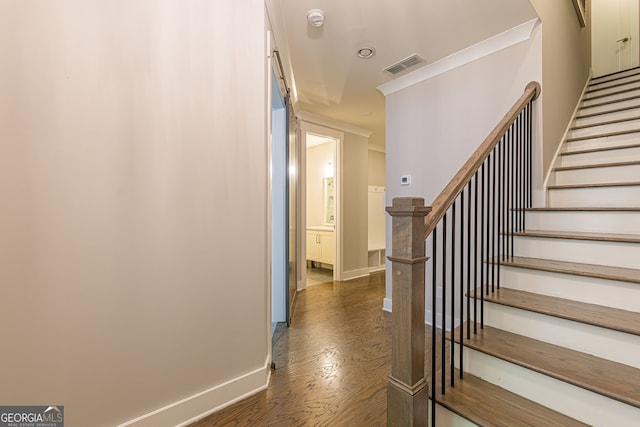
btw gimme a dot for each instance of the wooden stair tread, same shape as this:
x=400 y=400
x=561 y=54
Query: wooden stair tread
x=590 y=314
x=597 y=165
x=598 y=185
x=618 y=92
x=599 y=149
x=580 y=235
x=611 y=77
x=602 y=113
x=608 y=122
x=615 y=101
x=614 y=85
x=486 y=404
x=577 y=269
x=603 y=135
x=611 y=379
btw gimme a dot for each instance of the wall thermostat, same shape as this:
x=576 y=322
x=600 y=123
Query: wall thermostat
x=405 y=180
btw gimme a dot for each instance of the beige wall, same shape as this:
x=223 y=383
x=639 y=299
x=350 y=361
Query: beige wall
x=133 y=188
x=434 y=126
x=376 y=168
x=566 y=61
x=355 y=203
x=317 y=159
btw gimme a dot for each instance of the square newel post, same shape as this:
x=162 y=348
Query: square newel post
x=407 y=392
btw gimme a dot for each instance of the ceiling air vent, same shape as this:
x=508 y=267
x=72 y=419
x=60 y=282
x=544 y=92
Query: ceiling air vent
x=405 y=64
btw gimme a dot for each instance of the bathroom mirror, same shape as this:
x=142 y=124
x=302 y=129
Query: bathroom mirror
x=329 y=201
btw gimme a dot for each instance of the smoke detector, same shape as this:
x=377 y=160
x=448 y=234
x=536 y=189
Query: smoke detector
x=315 y=17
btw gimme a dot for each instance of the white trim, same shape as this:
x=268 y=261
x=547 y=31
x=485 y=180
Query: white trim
x=472 y=53
x=354 y=274
x=332 y=123
x=377 y=268
x=386 y=305
x=338 y=136
x=378 y=148
x=204 y=403
x=553 y=164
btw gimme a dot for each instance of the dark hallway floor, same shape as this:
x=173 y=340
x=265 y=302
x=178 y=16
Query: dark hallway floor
x=332 y=363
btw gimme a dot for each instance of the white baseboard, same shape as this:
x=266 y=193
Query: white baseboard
x=354 y=274
x=379 y=268
x=386 y=305
x=200 y=405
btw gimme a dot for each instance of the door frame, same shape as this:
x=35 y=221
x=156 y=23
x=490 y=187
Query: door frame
x=338 y=136
x=601 y=46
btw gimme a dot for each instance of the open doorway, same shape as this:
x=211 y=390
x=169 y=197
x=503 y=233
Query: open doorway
x=321 y=207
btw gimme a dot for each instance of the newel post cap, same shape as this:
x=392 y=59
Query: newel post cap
x=408 y=206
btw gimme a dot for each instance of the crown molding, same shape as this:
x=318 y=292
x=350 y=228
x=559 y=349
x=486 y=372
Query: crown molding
x=477 y=51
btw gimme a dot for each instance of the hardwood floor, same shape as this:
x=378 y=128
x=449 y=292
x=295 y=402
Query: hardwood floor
x=334 y=361
x=332 y=364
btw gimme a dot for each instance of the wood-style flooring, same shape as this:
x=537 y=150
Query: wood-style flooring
x=332 y=364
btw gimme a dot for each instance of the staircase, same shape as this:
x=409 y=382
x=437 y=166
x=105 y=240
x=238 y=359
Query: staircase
x=562 y=334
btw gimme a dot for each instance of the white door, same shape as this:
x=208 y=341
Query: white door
x=615 y=35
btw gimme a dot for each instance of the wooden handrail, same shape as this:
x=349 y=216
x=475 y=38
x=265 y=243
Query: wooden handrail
x=446 y=198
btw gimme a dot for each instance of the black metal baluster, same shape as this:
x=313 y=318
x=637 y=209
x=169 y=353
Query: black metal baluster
x=469 y=260
x=475 y=258
x=504 y=190
x=482 y=185
x=530 y=138
x=434 y=294
x=516 y=176
x=499 y=149
x=522 y=174
x=453 y=288
x=461 y=330
x=526 y=169
x=444 y=299
x=493 y=222
x=512 y=191
x=486 y=226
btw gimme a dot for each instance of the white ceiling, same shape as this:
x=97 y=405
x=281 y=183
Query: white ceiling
x=328 y=79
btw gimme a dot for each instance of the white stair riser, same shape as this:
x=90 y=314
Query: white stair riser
x=619 y=155
x=448 y=418
x=608 y=293
x=615 y=254
x=600 y=342
x=595 y=197
x=616 y=115
x=629 y=173
x=601 y=142
x=608 y=107
x=627 y=84
x=599 y=130
x=573 y=401
x=615 y=78
x=590 y=222
x=610 y=98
